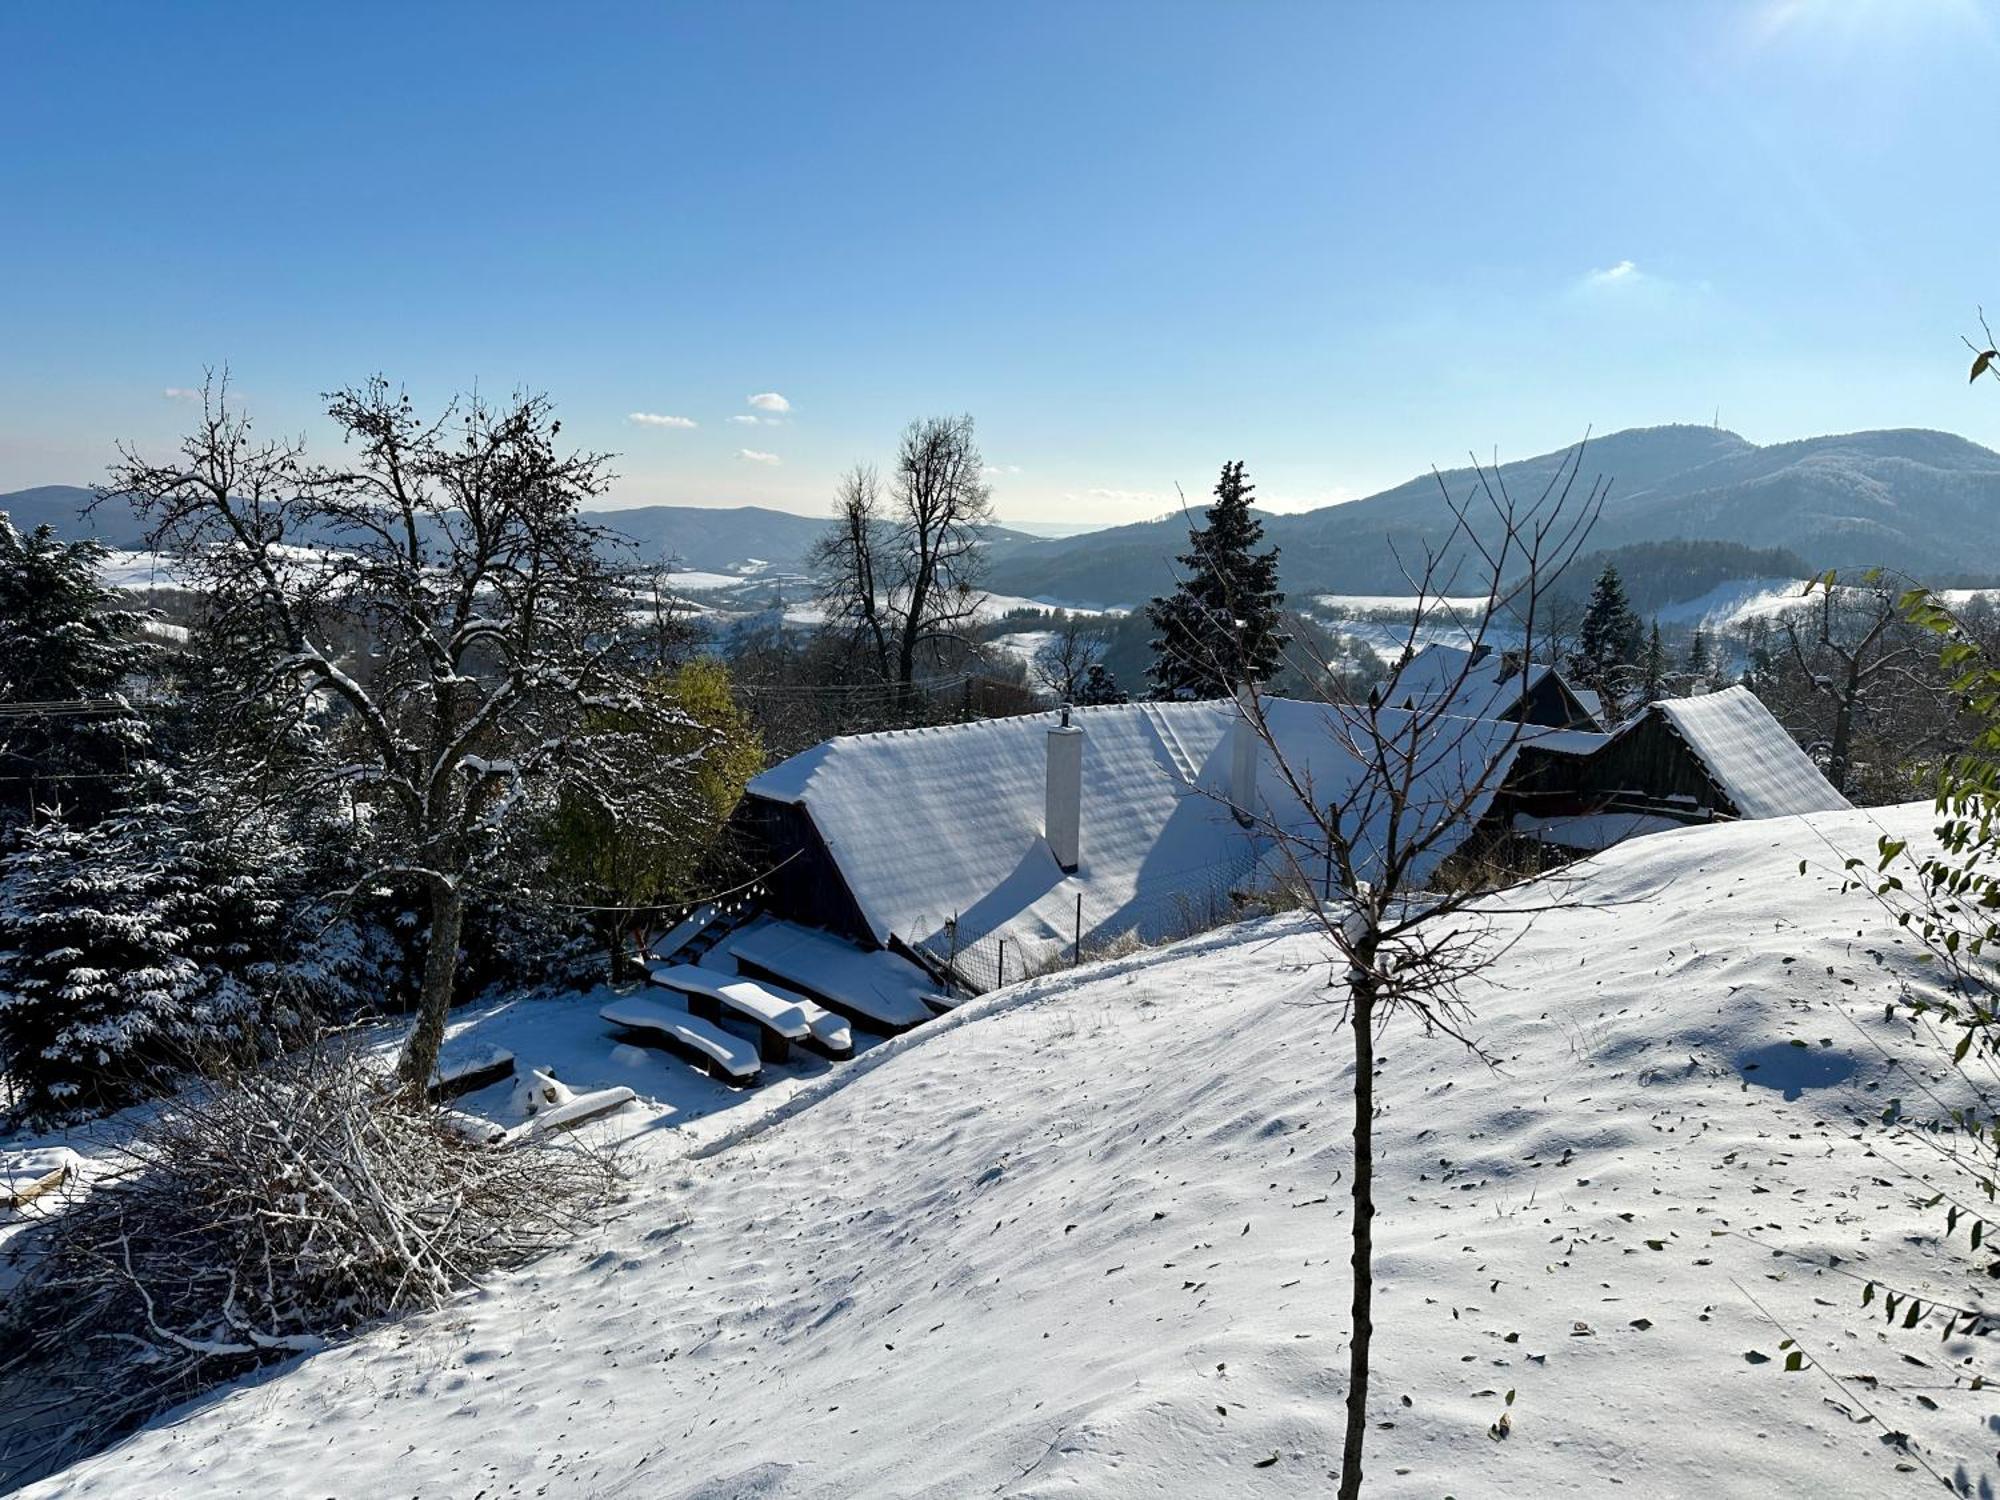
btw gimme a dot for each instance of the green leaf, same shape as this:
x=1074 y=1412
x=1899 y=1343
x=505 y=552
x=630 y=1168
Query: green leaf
x=1795 y=1361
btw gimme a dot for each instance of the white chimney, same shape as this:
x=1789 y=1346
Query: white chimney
x=1062 y=816
x=1243 y=757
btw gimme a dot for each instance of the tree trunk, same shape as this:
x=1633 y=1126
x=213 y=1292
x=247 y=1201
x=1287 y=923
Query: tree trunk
x=420 y=1053
x=1361 y=988
x=1843 y=732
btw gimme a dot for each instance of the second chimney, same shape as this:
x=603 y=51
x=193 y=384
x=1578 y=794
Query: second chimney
x=1062 y=817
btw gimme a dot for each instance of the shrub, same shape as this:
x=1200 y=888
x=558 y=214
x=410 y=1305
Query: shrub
x=253 y=1220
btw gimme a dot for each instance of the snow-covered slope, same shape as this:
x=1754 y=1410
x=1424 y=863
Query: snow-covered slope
x=1085 y=1237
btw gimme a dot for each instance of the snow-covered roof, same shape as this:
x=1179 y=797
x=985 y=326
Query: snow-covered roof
x=1751 y=758
x=1489 y=685
x=927 y=825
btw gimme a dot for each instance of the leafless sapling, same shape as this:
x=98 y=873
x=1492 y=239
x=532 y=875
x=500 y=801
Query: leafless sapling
x=1374 y=797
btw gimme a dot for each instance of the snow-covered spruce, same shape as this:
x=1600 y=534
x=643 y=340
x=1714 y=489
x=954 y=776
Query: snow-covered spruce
x=254 y=1220
x=146 y=944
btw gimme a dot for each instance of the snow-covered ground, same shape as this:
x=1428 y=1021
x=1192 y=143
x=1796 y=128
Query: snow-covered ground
x=1085 y=1236
x=138 y=570
x=1735 y=603
x=1026 y=644
x=1396 y=605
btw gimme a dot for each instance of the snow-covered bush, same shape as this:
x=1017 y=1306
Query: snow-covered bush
x=252 y=1220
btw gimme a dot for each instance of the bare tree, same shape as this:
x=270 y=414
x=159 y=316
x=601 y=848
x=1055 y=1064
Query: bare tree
x=484 y=678
x=1372 y=799
x=903 y=585
x=1063 y=663
x=848 y=562
x=1854 y=637
x=941 y=502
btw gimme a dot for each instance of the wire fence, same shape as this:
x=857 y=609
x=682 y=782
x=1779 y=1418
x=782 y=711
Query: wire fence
x=1073 y=927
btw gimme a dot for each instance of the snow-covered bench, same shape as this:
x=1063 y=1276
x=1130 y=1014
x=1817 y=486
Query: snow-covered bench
x=551 y=1104
x=880 y=990
x=830 y=1032
x=779 y=1022
x=724 y=1056
x=470 y=1071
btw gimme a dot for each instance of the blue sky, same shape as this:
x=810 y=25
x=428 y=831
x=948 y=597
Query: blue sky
x=1342 y=242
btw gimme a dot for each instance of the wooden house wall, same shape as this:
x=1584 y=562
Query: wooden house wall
x=805 y=886
x=1652 y=763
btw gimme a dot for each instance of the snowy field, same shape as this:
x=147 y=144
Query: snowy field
x=1084 y=1237
x=137 y=570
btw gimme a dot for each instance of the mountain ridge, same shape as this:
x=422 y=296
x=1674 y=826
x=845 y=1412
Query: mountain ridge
x=1917 y=499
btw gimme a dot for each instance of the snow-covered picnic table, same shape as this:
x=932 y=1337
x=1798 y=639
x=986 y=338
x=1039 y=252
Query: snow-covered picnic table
x=726 y=1057
x=708 y=992
x=780 y=1012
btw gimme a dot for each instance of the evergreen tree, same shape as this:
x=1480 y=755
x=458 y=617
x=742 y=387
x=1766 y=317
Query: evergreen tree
x=160 y=935
x=1221 y=627
x=1700 y=661
x=1099 y=687
x=62 y=641
x=1607 y=647
x=1653 y=669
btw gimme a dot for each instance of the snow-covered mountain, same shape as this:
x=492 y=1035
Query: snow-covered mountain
x=1917 y=500
x=1085 y=1236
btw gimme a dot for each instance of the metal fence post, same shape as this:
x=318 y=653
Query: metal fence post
x=1001 y=982
x=1077 y=958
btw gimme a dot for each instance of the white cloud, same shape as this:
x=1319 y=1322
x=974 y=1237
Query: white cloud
x=770 y=401
x=657 y=419
x=752 y=456
x=1625 y=270
x=181 y=393
x=744 y=419
x=999 y=469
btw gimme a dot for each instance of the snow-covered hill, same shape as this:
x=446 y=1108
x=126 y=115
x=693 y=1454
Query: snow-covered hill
x=1085 y=1237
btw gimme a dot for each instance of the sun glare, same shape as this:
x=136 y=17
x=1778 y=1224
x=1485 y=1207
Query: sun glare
x=1848 y=25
